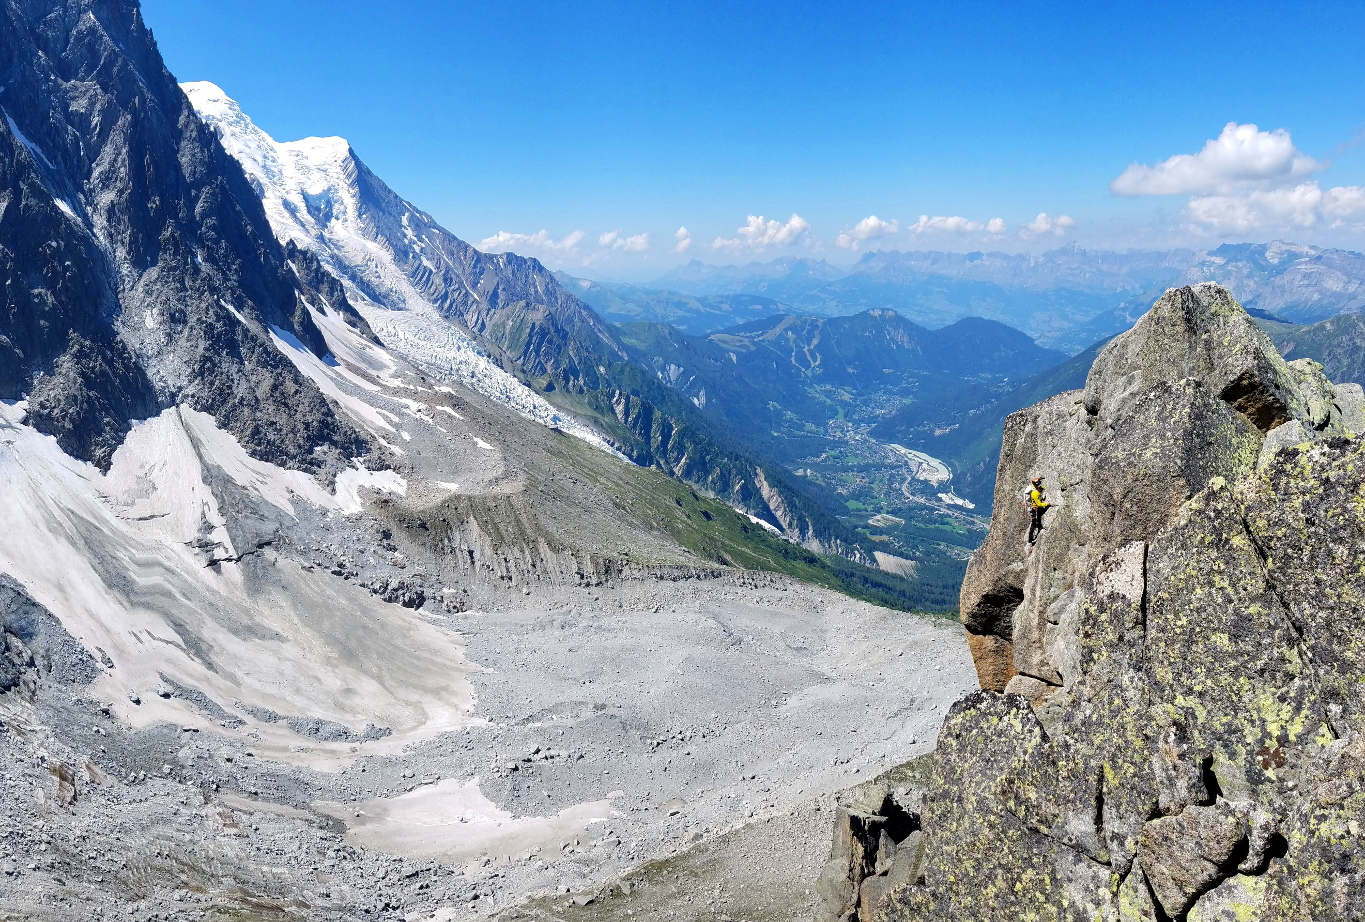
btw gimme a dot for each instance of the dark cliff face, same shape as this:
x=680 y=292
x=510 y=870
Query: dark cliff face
x=1171 y=726
x=139 y=270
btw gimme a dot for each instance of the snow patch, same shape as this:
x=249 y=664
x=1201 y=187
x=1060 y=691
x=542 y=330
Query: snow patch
x=351 y=481
x=33 y=149
x=454 y=821
x=139 y=562
x=233 y=311
x=321 y=375
x=757 y=521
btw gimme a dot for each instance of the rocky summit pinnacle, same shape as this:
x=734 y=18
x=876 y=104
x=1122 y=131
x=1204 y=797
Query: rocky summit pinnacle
x=1171 y=723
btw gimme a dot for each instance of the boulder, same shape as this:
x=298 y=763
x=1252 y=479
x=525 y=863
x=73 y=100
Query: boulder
x=1196 y=332
x=1236 y=899
x=1351 y=407
x=877 y=845
x=853 y=856
x=1183 y=856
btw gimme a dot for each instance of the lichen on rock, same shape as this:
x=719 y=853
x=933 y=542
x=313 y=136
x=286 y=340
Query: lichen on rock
x=1172 y=723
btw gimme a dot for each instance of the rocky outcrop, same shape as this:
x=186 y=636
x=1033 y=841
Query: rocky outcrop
x=323 y=291
x=878 y=847
x=34 y=646
x=1181 y=733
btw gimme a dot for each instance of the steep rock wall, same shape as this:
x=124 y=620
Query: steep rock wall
x=1181 y=733
x=138 y=268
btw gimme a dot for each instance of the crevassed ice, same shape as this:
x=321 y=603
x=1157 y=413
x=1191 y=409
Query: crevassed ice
x=445 y=353
x=309 y=193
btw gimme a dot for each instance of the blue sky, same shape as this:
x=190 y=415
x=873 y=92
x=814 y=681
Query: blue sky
x=587 y=118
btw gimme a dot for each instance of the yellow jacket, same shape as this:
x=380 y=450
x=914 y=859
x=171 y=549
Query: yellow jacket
x=1035 y=499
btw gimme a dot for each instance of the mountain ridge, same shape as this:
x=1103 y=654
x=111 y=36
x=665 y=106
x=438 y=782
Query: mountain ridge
x=166 y=255
x=1068 y=297
x=1123 y=760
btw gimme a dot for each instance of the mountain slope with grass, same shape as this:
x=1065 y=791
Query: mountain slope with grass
x=1338 y=343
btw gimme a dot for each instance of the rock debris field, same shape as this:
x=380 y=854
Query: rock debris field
x=612 y=727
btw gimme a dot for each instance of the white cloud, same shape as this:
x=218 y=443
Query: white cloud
x=760 y=234
x=684 y=240
x=612 y=240
x=1240 y=159
x=1301 y=206
x=869 y=228
x=955 y=224
x=569 y=249
x=1344 y=202
x=995 y=227
x=1043 y=224
x=1248 y=180
x=539 y=243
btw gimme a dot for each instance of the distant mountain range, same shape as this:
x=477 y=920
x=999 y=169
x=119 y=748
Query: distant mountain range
x=781 y=380
x=824 y=368
x=1337 y=342
x=785 y=278
x=1065 y=299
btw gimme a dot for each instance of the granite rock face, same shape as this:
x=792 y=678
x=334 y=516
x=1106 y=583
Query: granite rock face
x=1171 y=725
x=878 y=847
x=139 y=270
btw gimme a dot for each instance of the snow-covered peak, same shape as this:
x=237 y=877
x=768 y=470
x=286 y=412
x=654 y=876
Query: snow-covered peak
x=320 y=152
x=251 y=146
x=311 y=193
x=305 y=185
x=209 y=99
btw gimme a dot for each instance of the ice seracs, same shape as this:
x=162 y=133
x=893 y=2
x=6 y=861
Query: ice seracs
x=319 y=195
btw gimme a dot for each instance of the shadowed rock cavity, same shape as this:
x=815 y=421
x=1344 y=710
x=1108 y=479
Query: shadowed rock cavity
x=1181 y=734
x=878 y=846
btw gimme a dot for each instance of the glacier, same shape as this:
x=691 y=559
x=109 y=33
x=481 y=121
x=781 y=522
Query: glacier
x=311 y=197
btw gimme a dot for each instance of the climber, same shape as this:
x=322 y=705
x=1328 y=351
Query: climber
x=1037 y=505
